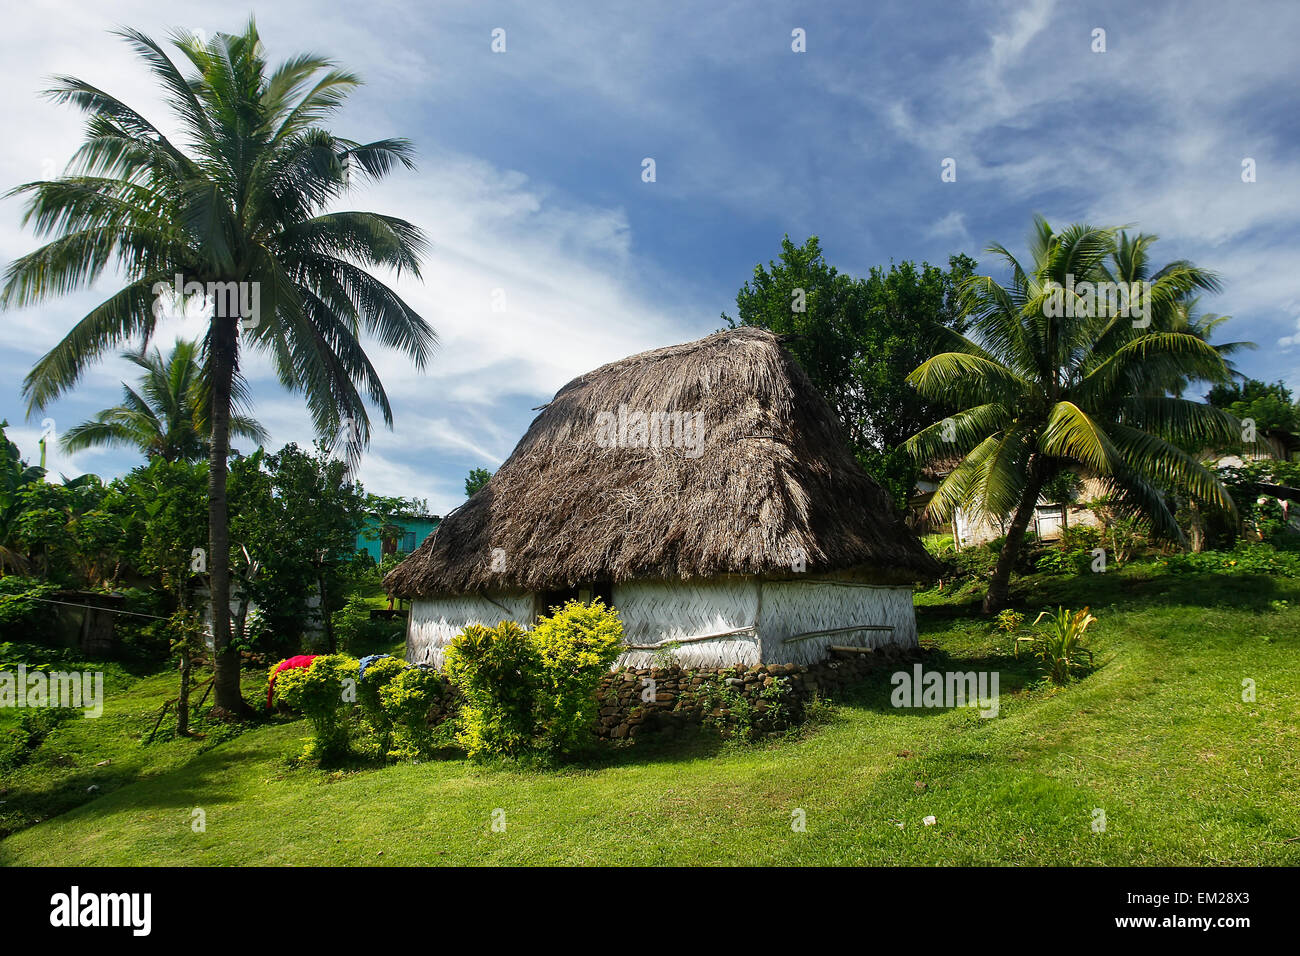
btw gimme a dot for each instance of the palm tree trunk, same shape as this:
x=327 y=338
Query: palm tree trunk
x=1197 y=528
x=996 y=598
x=228 y=702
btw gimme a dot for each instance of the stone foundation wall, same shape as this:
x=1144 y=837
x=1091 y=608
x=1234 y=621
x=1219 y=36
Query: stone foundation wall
x=680 y=699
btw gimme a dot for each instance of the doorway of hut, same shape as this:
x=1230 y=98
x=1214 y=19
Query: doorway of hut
x=547 y=601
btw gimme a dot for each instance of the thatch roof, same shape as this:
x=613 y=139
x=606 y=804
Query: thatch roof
x=771 y=481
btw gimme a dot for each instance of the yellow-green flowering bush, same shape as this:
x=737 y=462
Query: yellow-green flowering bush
x=406 y=699
x=533 y=691
x=324 y=694
x=376 y=719
x=498 y=672
x=575 y=645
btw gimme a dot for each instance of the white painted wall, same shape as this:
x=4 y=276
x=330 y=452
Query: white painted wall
x=434 y=623
x=660 y=612
x=798 y=606
x=663 y=612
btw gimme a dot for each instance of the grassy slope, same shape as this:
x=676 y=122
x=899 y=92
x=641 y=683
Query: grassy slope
x=63 y=770
x=1159 y=738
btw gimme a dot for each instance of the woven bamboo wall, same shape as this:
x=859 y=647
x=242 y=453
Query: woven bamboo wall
x=799 y=606
x=436 y=621
x=662 y=612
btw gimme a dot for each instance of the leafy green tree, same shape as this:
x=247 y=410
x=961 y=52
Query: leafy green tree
x=297 y=522
x=820 y=309
x=858 y=339
x=168 y=416
x=100 y=530
x=261 y=571
x=241 y=204
x=1269 y=405
x=1039 y=393
x=907 y=307
x=171 y=498
x=52 y=521
x=478 y=477
x=43 y=523
x=15 y=476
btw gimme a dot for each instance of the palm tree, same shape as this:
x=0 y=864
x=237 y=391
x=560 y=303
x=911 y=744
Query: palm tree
x=242 y=205
x=1041 y=393
x=1130 y=261
x=169 y=417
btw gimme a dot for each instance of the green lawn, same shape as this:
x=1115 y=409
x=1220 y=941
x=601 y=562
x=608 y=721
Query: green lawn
x=84 y=758
x=1159 y=738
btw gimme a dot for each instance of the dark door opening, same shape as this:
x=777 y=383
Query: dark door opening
x=548 y=600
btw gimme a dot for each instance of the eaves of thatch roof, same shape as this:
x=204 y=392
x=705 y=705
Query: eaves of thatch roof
x=770 y=485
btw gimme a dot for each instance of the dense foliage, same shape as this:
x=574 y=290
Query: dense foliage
x=575 y=645
x=858 y=338
x=319 y=692
x=1053 y=379
x=293 y=546
x=498 y=671
x=385 y=712
x=1269 y=405
x=533 y=692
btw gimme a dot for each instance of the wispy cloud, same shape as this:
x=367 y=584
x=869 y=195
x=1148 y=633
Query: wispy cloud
x=549 y=254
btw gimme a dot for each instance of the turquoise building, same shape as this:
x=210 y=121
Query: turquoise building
x=414 y=529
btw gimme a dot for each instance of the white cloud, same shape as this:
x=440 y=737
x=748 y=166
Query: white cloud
x=951 y=226
x=576 y=294
x=749 y=137
x=1290 y=341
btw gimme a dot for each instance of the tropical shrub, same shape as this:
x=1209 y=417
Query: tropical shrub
x=23 y=614
x=1008 y=621
x=1057 y=561
x=350 y=621
x=939 y=545
x=376 y=720
x=1059 y=646
x=498 y=670
x=1256 y=558
x=1053 y=561
x=576 y=646
x=1080 y=537
x=975 y=562
x=322 y=693
x=406 y=699
x=533 y=692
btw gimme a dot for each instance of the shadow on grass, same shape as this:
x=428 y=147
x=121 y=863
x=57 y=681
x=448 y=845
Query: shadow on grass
x=875 y=692
x=37 y=804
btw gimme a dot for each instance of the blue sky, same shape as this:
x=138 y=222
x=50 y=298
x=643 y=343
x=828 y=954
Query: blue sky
x=530 y=172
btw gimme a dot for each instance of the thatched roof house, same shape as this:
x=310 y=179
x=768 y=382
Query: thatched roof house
x=706 y=490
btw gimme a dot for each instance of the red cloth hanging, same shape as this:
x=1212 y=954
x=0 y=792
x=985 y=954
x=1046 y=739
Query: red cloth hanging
x=302 y=660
